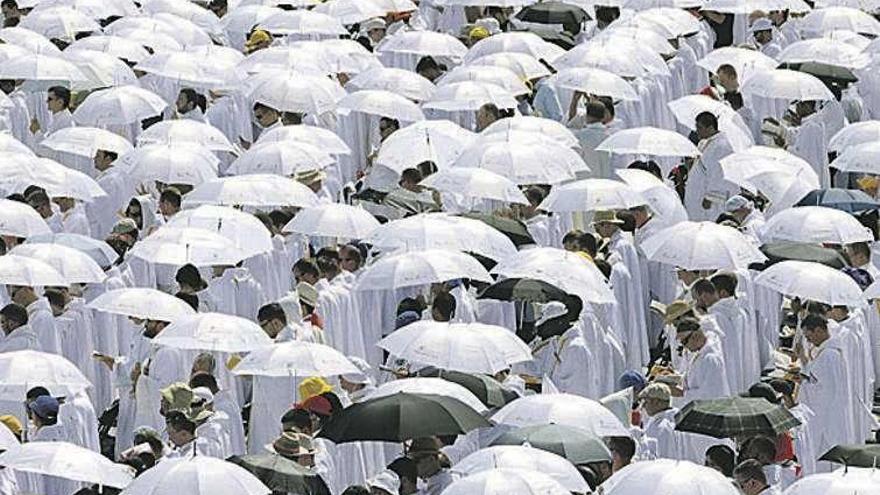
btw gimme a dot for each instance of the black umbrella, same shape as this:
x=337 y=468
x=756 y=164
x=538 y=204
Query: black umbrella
x=576 y=445
x=281 y=474
x=571 y=17
x=487 y=389
x=401 y=417
x=734 y=416
x=524 y=289
x=854 y=455
x=515 y=230
x=799 y=251
x=848 y=200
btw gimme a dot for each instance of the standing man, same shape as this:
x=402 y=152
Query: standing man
x=706 y=190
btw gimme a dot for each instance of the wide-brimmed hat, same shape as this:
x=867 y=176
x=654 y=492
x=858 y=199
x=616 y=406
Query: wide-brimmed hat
x=606 y=216
x=292 y=444
x=424 y=446
x=677 y=309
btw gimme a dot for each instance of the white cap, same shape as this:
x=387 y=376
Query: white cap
x=203 y=393
x=387 y=481
x=374 y=23
x=362 y=378
x=737 y=202
x=551 y=310
x=489 y=24
x=762 y=24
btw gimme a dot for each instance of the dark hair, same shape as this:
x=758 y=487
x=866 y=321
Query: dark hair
x=625 y=447
x=15 y=312
x=687 y=324
x=404 y=467
x=409 y=304
x=296 y=418
x=444 y=304
x=196 y=98
x=261 y=106
x=584 y=241
x=726 y=282
x=608 y=103
x=707 y=119
x=179 y=421
x=356 y=490
x=191 y=299
x=62 y=94
x=534 y=194
x=649 y=166
x=723 y=457
x=750 y=470
x=426 y=168
x=35 y=392
x=814 y=321
x=272 y=311
x=703 y=286
x=355 y=253
x=335 y=403
x=427 y=63
x=280 y=217
x=629 y=221
x=861 y=248
x=206 y=380
x=411 y=175
x=726 y=68
x=761 y=448
x=55 y=297
x=307 y=267
x=39 y=198
x=170 y=195
x=604 y=267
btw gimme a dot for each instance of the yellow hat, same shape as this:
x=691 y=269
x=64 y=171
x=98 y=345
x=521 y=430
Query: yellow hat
x=257 y=37
x=478 y=33
x=178 y=396
x=313 y=386
x=12 y=423
x=675 y=310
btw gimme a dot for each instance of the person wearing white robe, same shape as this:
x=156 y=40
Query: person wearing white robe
x=807 y=138
x=17 y=334
x=658 y=423
x=40 y=318
x=704 y=376
x=569 y=362
x=762 y=37
x=75 y=221
x=235 y=292
x=851 y=331
x=78 y=417
x=706 y=190
x=19 y=116
x=58 y=104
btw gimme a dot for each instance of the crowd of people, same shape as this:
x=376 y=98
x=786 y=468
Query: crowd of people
x=237 y=228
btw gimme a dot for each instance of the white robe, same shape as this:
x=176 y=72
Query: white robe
x=630 y=297
x=22 y=338
x=236 y=292
x=660 y=438
x=740 y=352
x=706 y=180
x=42 y=322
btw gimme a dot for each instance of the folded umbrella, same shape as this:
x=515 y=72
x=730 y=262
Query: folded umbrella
x=575 y=444
x=735 y=417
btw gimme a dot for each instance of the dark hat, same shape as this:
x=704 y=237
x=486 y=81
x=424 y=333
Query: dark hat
x=763 y=391
x=45 y=407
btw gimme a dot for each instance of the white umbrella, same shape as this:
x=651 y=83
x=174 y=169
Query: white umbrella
x=243 y=229
x=101 y=69
x=186 y=69
x=783 y=188
x=295 y=92
x=523 y=162
x=382 y=104
x=318 y=137
x=855 y=134
x=824 y=51
x=592 y=195
x=524 y=458
x=350 y=11
x=469 y=96
x=816 y=225
x=173 y=246
x=847 y=481
x=595 y=82
x=859 y=158
x=199 y=15
x=59 y=22
x=420 y=268
x=524 y=65
x=216 y=332
x=501 y=77
x=662 y=199
x=566 y=270
x=497 y=481
x=438 y=141
x=9 y=144
x=441 y=231
x=21 y=171
x=118 y=106
x=813 y=282
x=45 y=68
x=342 y=55
x=238 y=22
x=486 y=3
x=624 y=59
x=260 y=190
x=25 y=38
x=67 y=461
x=196 y=475
x=303 y=22
x=98 y=250
x=396 y=5
x=8 y=441
x=465 y=347
x=122 y=48
x=141 y=303
x=823 y=20
x=433 y=386
x=687 y=108
x=333 y=220
x=737 y=167
x=476 y=183
x=295 y=359
x=403 y=82
x=280 y=157
x=518 y=42
x=171 y=164
x=649 y=34
x=287 y=58
x=745 y=6
x=662 y=476
x=745 y=61
x=20 y=371
x=423 y=43
x=85 y=141
x=648 y=141
x=155 y=40
x=786 y=84
x=75 y=266
x=20 y=220
x=562 y=409
x=185 y=32
x=186 y=132
x=29 y=272
x=701 y=246
x=538 y=125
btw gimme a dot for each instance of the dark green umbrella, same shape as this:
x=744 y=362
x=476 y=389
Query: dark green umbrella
x=854 y=455
x=277 y=472
x=569 y=16
x=487 y=389
x=848 y=200
x=733 y=417
x=401 y=417
x=576 y=445
x=524 y=289
x=799 y=251
x=515 y=230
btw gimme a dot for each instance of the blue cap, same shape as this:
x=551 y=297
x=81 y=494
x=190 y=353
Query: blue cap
x=405 y=318
x=632 y=379
x=45 y=407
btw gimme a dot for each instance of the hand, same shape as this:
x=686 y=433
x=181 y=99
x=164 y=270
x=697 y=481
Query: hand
x=35 y=126
x=135 y=374
x=108 y=361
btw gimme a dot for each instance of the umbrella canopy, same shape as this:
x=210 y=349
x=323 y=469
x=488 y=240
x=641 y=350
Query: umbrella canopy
x=517 y=42
x=196 y=475
x=574 y=444
x=512 y=228
x=188 y=69
x=45 y=68
x=821 y=21
x=524 y=482
x=859 y=158
x=741 y=167
x=469 y=96
x=788 y=85
x=524 y=65
x=9 y=144
x=623 y=57
x=523 y=162
x=848 y=200
x=701 y=246
x=21 y=171
x=439 y=141
x=424 y=43
x=142 y=303
x=855 y=134
x=426 y=385
x=318 y=137
x=29 y=272
x=850 y=481
x=817 y=225
x=75 y=266
x=259 y=190
x=399 y=81
x=687 y=108
x=276 y=472
x=441 y=231
x=68 y=461
x=213 y=332
x=648 y=141
x=350 y=11
x=466 y=347
x=487 y=389
x=280 y=158
x=420 y=268
x=8 y=440
x=524 y=289
x=98 y=250
x=243 y=229
x=857 y=455
x=20 y=220
x=295 y=359
x=744 y=6
x=179 y=246
x=592 y=195
x=566 y=270
x=475 y=183
x=744 y=60
x=333 y=220
x=21 y=370
x=295 y=92
x=563 y=409
x=812 y=281
x=533 y=125
x=119 y=47
x=663 y=476
x=799 y=251
x=171 y=164
x=185 y=132
x=382 y=104
x=663 y=201
x=595 y=82
x=500 y=76
x=400 y=417
x=122 y=105
x=570 y=16
x=85 y=141
x=524 y=458
x=824 y=51
x=303 y=22
x=735 y=417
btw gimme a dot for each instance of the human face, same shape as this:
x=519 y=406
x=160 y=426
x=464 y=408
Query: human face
x=376 y=35
x=703 y=131
x=54 y=103
x=686 y=339
x=299 y=276
x=748 y=487
x=265 y=116
x=814 y=335
x=764 y=37
x=271 y=327
x=347 y=260
x=152 y=328
x=605 y=229
x=183 y=104
x=7 y=324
